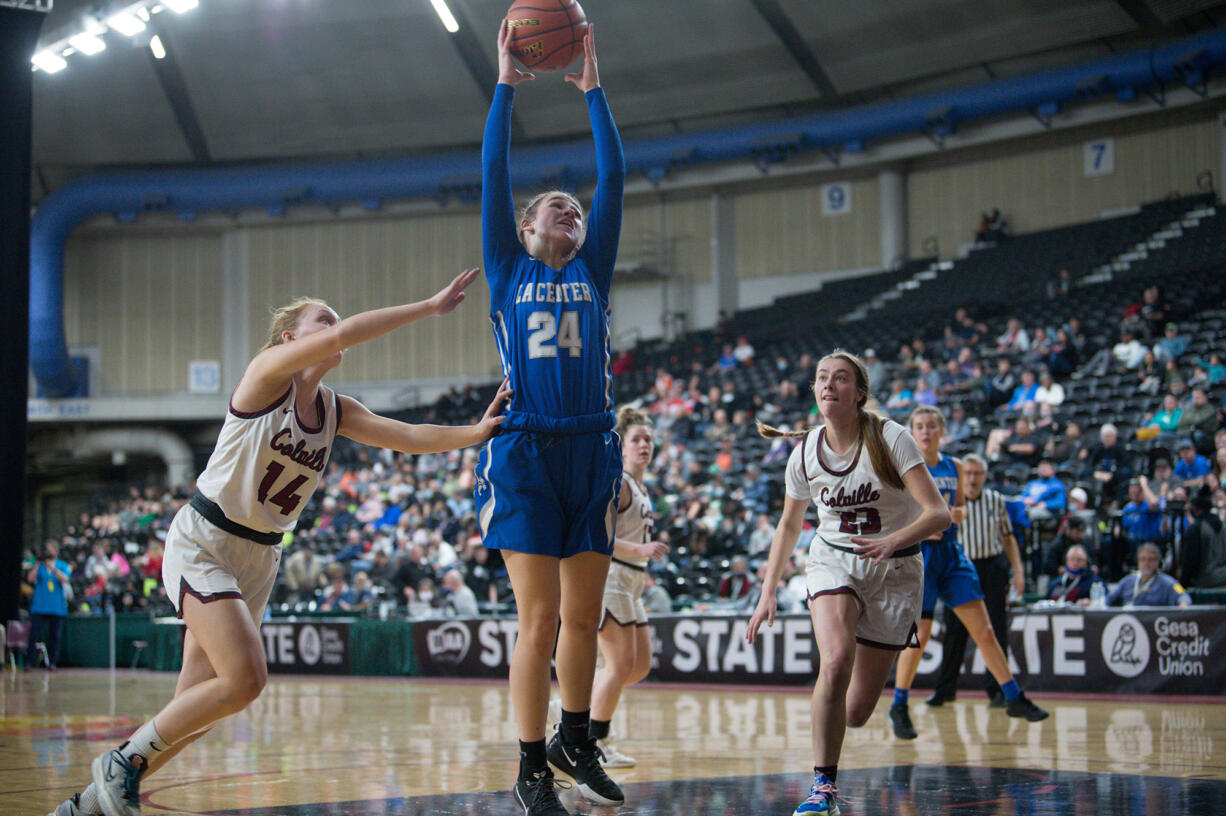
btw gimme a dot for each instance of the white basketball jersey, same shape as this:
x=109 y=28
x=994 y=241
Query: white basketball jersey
x=636 y=521
x=851 y=498
x=267 y=463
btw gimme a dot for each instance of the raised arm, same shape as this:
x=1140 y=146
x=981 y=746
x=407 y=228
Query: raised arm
x=605 y=223
x=498 y=233
x=269 y=373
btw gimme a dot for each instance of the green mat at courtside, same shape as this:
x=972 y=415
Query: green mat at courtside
x=376 y=647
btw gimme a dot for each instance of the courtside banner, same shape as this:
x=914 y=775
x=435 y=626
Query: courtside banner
x=1164 y=651
x=306 y=647
x=1142 y=650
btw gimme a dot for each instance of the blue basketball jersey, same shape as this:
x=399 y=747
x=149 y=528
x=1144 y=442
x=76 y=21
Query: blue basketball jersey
x=552 y=326
x=945 y=474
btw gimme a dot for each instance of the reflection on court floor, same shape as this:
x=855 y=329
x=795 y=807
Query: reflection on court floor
x=896 y=791
x=399 y=746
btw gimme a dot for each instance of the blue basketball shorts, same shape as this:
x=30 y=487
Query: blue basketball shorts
x=549 y=494
x=948 y=575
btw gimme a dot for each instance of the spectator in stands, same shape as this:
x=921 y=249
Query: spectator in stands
x=623 y=363
x=757 y=489
x=1203 y=557
x=1108 y=463
x=743 y=352
x=1150 y=374
x=332 y=596
x=1024 y=393
x=1155 y=311
x=304 y=572
x=760 y=538
x=1148 y=586
x=1191 y=468
x=459 y=601
x=900 y=401
x=1062 y=358
x=1164 y=481
x=410 y=570
x=1049 y=392
x=1000 y=386
x=1074 y=583
x=1171 y=345
x=1073 y=535
x=372 y=507
x=1165 y=420
x=655 y=597
x=1044 y=496
x=1129 y=352
x=1015 y=340
x=1025 y=446
x=737 y=583
x=958 y=428
x=1140 y=520
x=923 y=393
x=381 y=569
x=1210 y=372
x=360 y=595
x=930 y=376
x=876 y=368
x=1064 y=449
x=1061 y=286
x=726 y=361
x=1040 y=347
x=1199 y=419
x=49 y=603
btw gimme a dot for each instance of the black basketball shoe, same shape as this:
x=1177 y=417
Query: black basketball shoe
x=582 y=763
x=537 y=796
x=900 y=718
x=1022 y=707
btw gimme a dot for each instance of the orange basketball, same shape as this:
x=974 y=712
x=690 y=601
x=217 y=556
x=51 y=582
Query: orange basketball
x=546 y=35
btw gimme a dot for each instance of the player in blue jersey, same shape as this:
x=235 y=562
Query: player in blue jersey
x=950 y=576
x=547 y=486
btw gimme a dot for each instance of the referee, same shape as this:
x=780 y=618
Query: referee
x=987 y=538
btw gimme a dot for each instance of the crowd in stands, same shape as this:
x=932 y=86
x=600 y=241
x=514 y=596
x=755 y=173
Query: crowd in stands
x=390 y=533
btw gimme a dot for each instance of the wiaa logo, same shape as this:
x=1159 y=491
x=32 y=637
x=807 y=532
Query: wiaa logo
x=449 y=643
x=1125 y=646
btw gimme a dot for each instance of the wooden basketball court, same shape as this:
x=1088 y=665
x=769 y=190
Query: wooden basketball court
x=398 y=746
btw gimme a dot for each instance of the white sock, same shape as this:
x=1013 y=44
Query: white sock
x=89 y=801
x=145 y=742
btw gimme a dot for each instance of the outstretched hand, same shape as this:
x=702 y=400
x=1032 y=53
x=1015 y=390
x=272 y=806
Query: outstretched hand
x=493 y=414
x=588 y=78
x=508 y=71
x=451 y=295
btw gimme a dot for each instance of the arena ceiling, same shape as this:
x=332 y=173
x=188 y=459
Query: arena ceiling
x=249 y=81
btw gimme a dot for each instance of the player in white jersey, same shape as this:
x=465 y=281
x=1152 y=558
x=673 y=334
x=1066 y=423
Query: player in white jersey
x=222 y=549
x=623 y=637
x=875 y=502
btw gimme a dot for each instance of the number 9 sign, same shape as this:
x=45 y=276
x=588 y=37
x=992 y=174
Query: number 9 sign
x=836 y=198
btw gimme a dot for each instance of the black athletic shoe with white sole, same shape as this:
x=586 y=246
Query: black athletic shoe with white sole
x=537 y=795
x=582 y=763
x=117 y=780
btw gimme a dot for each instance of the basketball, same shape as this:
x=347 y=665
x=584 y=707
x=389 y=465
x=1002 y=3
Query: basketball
x=546 y=35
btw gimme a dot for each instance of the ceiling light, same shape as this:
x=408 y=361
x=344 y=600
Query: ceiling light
x=155 y=45
x=49 y=61
x=180 y=6
x=143 y=13
x=126 y=24
x=87 y=44
x=444 y=14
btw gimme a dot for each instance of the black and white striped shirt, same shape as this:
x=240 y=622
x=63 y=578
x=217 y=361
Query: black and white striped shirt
x=986 y=525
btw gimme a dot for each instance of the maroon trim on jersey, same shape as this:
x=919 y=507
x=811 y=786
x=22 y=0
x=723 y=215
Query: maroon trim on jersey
x=261 y=412
x=610 y=616
x=912 y=641
x=337 y=399
x=843 y=590
x=804 y=469
x=319 y=409
x=185 y=589
x=821 y=435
